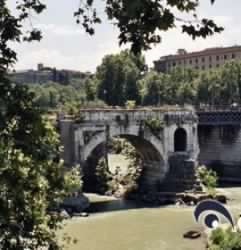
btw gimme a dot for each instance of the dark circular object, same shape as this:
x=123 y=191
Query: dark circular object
x=209 y=219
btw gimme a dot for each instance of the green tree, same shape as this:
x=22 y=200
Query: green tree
x=239 y=80
x=215 y=87
x=117 y=78
x=220 y=86
x=177 y=87
x=52 y=95
x=186 y=93
x=32 y=175
x=203 y=93
x=154 y=88
x=41 y=96
x=230 y=82
x=108 y=182
x=91 y=89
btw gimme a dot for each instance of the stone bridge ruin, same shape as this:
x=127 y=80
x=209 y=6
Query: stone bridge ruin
x=167 y=141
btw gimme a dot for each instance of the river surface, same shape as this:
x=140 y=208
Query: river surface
x=120 y=225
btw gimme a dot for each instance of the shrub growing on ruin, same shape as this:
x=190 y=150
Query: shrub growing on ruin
x=110 y=183
x=130 y=104
x=208 y=179
x=103 y=176
x=155 y=125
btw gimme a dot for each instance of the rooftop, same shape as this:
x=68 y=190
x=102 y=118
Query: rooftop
x=182 y=53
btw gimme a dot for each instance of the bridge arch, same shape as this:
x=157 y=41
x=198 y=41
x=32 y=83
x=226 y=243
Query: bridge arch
x=102 y=136
x=155 y=166
x=180 y=140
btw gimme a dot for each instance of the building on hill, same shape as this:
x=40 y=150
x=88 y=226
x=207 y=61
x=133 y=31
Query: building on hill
x=45 y=74
x=200 y=60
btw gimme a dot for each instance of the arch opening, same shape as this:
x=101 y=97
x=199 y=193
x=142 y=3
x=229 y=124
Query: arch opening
x=180 y=140
x=153 y=165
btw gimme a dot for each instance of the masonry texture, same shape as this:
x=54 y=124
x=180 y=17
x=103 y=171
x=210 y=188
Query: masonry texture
x=220 y=142
x=167 y=149
x=220 y=148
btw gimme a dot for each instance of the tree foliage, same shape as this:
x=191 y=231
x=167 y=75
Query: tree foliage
x=56 y=96
x=140 y=22
x=126 y=78
x=51 y=96
x=208 y=178
x=221 y=239
x=213 y=87
x=32 y=175
x=118 y=182
x=117 y=78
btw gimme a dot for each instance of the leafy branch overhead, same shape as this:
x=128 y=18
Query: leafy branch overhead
x=11 y=28
x=139 y=22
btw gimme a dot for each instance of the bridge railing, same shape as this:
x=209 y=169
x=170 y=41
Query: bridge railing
x=219 y=108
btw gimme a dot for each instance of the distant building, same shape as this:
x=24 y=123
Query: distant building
x=45 y=74
x=200 y=60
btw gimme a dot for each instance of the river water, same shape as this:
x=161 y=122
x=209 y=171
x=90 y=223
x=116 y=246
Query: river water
x=120 y=225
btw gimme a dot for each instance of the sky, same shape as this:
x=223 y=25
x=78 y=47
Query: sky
x=65 y=45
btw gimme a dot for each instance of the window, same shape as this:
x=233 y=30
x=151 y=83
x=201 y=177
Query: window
x=174 y=64
x=190 y=61
x=203 y=59
x=225 y=57
x=210 y=58
x=180 y=140
x=217 y=65
x=118 y=118
x=203 y=67
x=196 y=60
x=233 y=56
x=217 y=58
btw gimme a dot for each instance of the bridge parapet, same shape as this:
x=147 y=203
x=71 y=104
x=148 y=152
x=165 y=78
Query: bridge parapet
x=134 y=115
x=232 y=117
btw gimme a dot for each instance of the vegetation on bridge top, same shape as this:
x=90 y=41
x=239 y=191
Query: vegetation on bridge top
x=164 y=108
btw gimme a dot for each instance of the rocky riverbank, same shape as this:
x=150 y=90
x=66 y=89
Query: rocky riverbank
x=185 y=198
x=77 y=203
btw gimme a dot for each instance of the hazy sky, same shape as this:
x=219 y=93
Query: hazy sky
x=65 y=44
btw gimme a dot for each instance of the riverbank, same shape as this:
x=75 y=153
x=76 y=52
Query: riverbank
x=119 y=225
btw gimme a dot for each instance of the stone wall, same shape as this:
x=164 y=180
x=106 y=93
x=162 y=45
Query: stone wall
x=67 y=139
x=156 y=144
x=220 y=148
x=220 y=145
